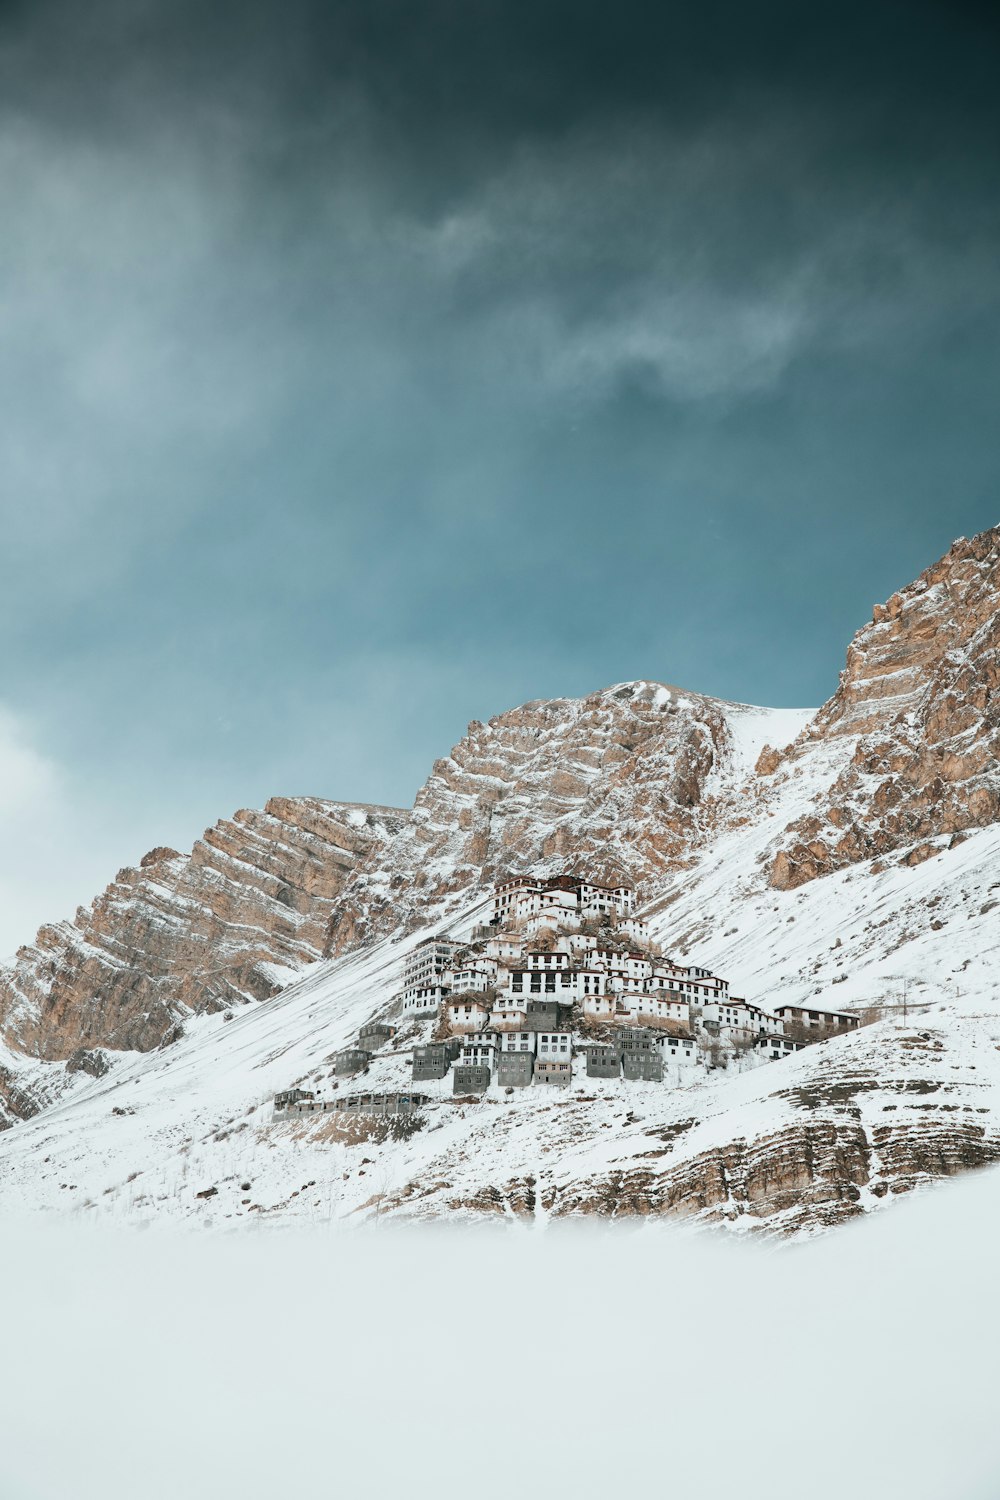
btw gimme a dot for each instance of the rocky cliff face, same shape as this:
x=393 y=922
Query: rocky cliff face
x=615 y=783
x=640 y=781
x=921 y=690
x=232 y=921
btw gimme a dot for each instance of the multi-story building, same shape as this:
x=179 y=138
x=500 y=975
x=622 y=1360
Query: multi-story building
x=425 y=965
x=562 y=900
x=541 y=1015
x=555 y=1044
x=552 y=979
x=598 y=1006
x=467 y=1079
x=553 y=1070
x=803 y=1018
x=466 y=1012
x=642 y=1066
x=515 y=1069
x=424 y=970
x=603 y=1061
x=471 y=979
x=434 y=1059
x=374 y=1035
x=595 y=900
x=518 y=1041
x=634 y=927
x=351 y=1060
x=658 y=1005
x=677 y=1046
x=480 y=1051
x=732 y=1017
x=504 y=945
x=773 y=1046
x=509 y=1013
x=423 y=1000
x=546 y=959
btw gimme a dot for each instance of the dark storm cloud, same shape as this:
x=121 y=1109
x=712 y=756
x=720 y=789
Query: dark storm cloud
x=368 y=367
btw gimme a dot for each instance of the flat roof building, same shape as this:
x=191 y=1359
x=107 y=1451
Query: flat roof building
x=351 y=1060
x=603 y=1061
x=642 y=1066
x=515 y=1069
x=469 y=1079
x=553 y=1070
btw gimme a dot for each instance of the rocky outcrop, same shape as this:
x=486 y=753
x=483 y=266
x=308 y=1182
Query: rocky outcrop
x=613 y=783
x=921 y=690
x=804 y=1177
x=865 y=1119
x=228 y=923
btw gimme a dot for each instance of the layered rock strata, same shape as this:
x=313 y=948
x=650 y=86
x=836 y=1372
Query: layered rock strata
x=613 y=783
x=921 y=690
x=228 y=923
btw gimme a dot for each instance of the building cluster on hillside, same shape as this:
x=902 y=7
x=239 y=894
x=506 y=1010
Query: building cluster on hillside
x=565 y=950
x=565 y=974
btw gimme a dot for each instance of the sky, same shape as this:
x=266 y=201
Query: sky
x=371 y=367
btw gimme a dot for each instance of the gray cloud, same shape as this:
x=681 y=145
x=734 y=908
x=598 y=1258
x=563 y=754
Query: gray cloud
x=366 y=368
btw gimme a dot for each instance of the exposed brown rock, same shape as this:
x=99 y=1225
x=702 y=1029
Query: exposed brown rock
x=188 y=933
x=613 y=783
x=921 y=691
x=768 y=761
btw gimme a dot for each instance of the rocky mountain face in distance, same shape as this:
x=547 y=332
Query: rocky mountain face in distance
x=920 y=693
x=233 y=921
x=851 y=857
x=613 y=783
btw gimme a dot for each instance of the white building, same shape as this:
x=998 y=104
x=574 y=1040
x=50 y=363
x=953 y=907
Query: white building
x=504 y=945
x=508 y=1014
x=596 y=900
x=480 y=1052
x=527 y=903
x=505 y=896
x=518 y=1041
x=553 y=909
x=606 y=1006
x=425 y=965
x=734 y=1017
x=423 y=1000
x=537 y=983
x=466 y=1012
x=774 y=1047
x=546 y=959
x=658 y=1005
x=582 y=942
x=677 y=1047
x=637 y=928
x=706 y=983
x=555 y=1045
x=471 y=980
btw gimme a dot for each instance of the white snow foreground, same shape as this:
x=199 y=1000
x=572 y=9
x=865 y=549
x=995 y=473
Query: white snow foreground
x=386 y=1363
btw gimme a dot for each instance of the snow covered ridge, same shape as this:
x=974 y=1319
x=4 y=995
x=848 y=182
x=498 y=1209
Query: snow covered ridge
x=230 y=923
x=152 y=1033
x=832 y=1132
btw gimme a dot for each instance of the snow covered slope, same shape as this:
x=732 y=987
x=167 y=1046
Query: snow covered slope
x=725 y=815
x=621 y=783
x=789 y=1147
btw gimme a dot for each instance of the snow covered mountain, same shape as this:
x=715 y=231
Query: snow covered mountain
x=233 y=921
x=725 y=816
